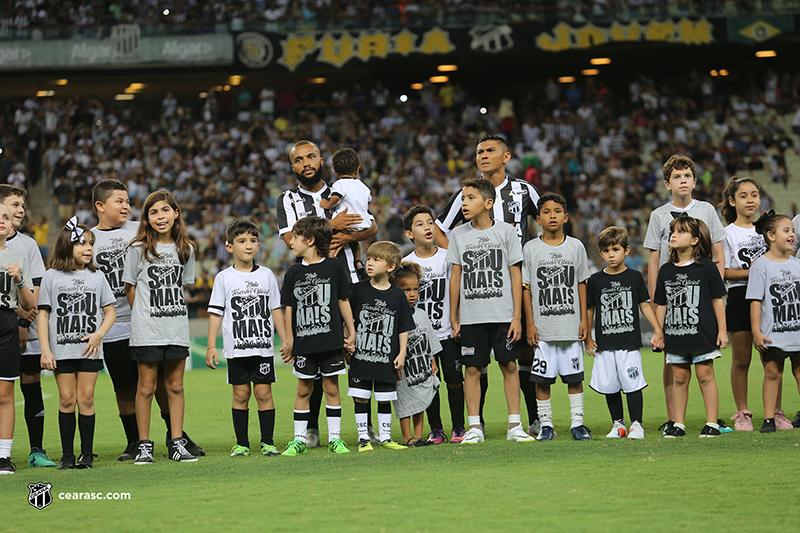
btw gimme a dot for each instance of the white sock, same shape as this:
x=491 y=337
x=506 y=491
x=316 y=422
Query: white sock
x=300 y=424
x=514 y=420
x=474 y=421
x=576 y=409
x=361 y=426
x=334 y=415
x=385 y=423
x=5 y=448
x=545 y=412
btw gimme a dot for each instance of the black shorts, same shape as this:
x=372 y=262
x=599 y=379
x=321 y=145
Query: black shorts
x=362 y=388
x=30 y=364
x=776 y=354
x=737 y=310
x=479 y=340
x=449 y=361
x=154 y=354
x=9 y=346
x=121 y=367
x=71 y=366
x=328 y=363
x=255 y=369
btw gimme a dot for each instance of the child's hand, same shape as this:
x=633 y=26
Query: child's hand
x=47 y=361
x=583 y=331
x=95 y=342
x=722 y=340
x=532 y=335
x=212 y=358
x=591 y=347
x=14 y=272
x=286 y=352
x=760 y=340
x=657 y=340
x=514 y=331
x=399 y=363
x=456 y=327
x=434 y=367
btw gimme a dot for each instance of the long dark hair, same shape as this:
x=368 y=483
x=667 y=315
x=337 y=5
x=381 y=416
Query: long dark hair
x=729 y=211
x=148 y=237
x=697 y=228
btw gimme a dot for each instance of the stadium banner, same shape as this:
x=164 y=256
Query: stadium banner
x=754 y=30
x=125 y=48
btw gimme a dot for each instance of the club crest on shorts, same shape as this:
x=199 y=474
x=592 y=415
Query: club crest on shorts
x=633 y=372
x=467 y=350
x=300 y=361
x=39 y=496
x=264 y=368
x=576 y=363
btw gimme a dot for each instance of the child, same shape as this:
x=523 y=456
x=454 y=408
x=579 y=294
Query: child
x=76 y=310
x=487 y=313
x=616 y=292
x=434 y=298
x=314 y=296
x=245 y=301
x=420 y=383
x=159 y=263
x=13 y=198
x=554 y=274
x=773 y=293
x=15 y=282
x=680 y=178
x=689 y=293
x=382 y=319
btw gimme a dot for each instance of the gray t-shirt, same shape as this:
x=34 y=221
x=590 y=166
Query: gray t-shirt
x=416 y=390
x=553 y=273
x=159 y=316
x=796 y=223
x=485 y=257
x=8 y=289
x=75 y=300
x=110 y=249
x=777 y=286
x=657 y=236
x=27 y=246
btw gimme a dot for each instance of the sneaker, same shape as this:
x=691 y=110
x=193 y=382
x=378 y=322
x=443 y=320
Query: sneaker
x=666 y=426
x=723 y=427
x=636 y=432
x=517 y=434
x=618 y=431
x=364 y=445
x=796 y=420
x=269 y=450
x=581 y=433
x=6 y=466
x=419 y=443
x=743 y=420
x=768 y=426
x=177 y=451
x=709 y=431
x=39 y=457
x=473 y=436
x=458 y=434
x=437 y=436
x=85 y=460
x=535 y=428
x=781 y=422
x=312 y=438
x=294 y=448
x=546 y=433
x=129 y=454
x=374 y=438
x=392 y=445
x=67 y=462
x=240 y=451
x=337 y=446
x=144 y=454
x=674 y=432
x=192 y=447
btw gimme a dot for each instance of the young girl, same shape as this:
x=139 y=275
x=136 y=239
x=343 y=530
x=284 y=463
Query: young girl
x=76 y=310
x=159 y=263
x=774 y=292
x=415 y=391
x=688 y=294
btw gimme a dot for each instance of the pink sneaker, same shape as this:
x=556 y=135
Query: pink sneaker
x=781 y=422
x=436 y=436
x=458 y=435
x=743 y=420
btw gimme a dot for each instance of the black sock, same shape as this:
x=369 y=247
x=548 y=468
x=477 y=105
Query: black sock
x=86 y=429
x=129 y=425
x=484 y=388
x=240 y=419
x=369 y=413
x=635 y=405
x=266 y=419
x=315 y=405
x=614 y=402
x=434 y=413
x=528 y=389
x=66 y=426
x=455 y=396
x=34 y=412
x=167 y=421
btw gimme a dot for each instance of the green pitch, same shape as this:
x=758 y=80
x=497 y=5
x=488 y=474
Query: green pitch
x=737 y=482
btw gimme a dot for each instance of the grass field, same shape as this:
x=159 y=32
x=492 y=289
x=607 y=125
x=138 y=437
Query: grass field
x=738 y=482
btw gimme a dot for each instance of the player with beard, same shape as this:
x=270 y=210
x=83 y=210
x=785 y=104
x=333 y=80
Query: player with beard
x=303 y=201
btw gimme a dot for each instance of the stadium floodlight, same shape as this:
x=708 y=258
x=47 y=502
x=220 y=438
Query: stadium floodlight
x=439 y=79
x=62 y=81
x=235 y=80
x=483 y=111
x=723 y=72
x=137 y=86
x=124 y=97
x=600 y=61
x=404 y=98
x=447 y=68
x=1 y=151
x=318 y=81
x=203 y=95
x=416 y=86
x=714 y=73
x=566 y=79
x=165 y=12
x=766 y=53
x=590 y=72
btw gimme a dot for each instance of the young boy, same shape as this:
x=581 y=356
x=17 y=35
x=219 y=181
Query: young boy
x=314 y=295
x=245 y=301
x=616 y=292
x=383 y=319
x=487 y=312
x=15 y=283
x=434 y=298
x=680 y=178
x=554 y=277
x=13 y=198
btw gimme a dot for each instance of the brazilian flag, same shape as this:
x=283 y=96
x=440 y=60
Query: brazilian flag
x=754 y=30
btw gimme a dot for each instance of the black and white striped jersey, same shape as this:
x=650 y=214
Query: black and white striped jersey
x=516 y=201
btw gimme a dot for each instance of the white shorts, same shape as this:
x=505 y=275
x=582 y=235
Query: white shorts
x=618 y=370
x=557 y=358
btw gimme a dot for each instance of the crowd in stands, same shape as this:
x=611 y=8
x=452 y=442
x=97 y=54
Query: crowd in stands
x=225 y=156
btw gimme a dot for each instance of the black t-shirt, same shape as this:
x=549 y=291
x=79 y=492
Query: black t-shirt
x=616 y=299
x=690 y=326
x=380 y=317
x=313 y=292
